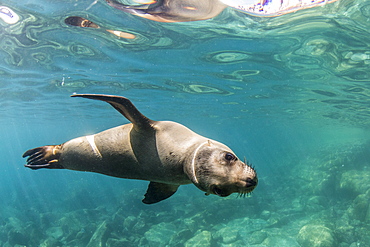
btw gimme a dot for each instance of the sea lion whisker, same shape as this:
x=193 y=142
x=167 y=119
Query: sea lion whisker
x=242 y=194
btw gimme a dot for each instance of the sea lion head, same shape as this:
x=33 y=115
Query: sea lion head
x=215 y=169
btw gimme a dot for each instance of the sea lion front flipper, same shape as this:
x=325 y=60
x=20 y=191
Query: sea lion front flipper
x=157 y=192
x=124 y=106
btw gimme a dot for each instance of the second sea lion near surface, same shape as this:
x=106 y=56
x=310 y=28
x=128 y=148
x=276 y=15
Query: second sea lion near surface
x=173 y=10
x=165 y=153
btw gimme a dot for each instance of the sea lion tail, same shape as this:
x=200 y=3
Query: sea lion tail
x=43 y=157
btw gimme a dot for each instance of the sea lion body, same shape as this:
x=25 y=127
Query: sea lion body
x=165 y=153
x=135 y=155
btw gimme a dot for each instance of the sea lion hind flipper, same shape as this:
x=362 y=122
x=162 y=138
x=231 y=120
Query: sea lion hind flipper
x=43 y=157
x=157 y=192
x=124 y=106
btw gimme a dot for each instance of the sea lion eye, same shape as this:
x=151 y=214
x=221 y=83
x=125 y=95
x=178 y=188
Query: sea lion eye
x=229 y=156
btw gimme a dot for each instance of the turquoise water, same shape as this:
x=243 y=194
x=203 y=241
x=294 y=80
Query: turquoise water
x=289 y=93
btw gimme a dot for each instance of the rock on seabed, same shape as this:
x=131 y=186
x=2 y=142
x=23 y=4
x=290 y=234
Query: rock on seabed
x=201 y=239
x=315 y=236
x=160 y=234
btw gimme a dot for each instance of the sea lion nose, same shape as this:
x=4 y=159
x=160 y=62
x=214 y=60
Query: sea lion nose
x=251 y=182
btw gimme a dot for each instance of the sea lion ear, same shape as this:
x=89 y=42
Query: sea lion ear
x=157 y=192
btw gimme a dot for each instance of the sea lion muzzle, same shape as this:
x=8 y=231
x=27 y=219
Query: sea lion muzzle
x=251 y=182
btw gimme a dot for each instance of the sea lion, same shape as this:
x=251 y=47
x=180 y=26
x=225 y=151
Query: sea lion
x=173 y=10
x=165 y=153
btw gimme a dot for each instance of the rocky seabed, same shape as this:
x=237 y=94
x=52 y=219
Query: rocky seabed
x=322 y=202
